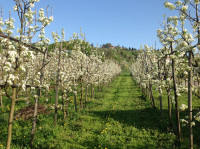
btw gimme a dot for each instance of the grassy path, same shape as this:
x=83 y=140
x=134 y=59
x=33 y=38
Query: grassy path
x=120 y=119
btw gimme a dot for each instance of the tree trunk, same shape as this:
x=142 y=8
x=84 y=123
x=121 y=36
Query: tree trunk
x=143 y=92
x=169 y=109
x=63 y=106
x=161 y=107
x=1 y=101
x=198 y=84
x=39 y=94
x=146 y=91
x=86 y=95
x=91 y=91
x=35 y=118
x=176 y=99
x=63 y=109
x=98 y=86
x=57 y=86
x=152 y=98
x=160 y=88
x=190 y=99
x=10 y=122
x=81 y=94
x=75 y=104
x=185 y=83
x=67 y=106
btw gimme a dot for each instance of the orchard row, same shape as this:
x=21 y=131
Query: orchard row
x=175 y=67
x=30 y=69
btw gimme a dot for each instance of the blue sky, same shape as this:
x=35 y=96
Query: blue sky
x=128 y=23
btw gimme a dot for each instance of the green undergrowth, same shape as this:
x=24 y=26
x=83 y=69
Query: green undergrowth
x=183 y=99
x=119 y=117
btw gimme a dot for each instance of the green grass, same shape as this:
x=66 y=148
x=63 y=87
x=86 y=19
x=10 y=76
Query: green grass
x=118 y=118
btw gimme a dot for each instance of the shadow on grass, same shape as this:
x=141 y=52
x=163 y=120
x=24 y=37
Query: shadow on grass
x=3 y=122
x=118 y=145
x=141 y=119
x=145 y=118
x=126 y=74
x=148 y=119
x=143 y=97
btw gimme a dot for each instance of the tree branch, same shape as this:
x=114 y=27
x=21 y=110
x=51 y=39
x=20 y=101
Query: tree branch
x=25 y=44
